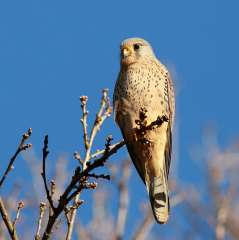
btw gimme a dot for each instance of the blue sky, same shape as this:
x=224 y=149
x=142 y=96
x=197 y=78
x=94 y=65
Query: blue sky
x=51 y=52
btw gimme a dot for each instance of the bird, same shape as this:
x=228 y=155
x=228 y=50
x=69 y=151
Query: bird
x=144 y=109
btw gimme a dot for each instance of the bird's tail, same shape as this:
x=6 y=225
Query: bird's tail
x=159 y=199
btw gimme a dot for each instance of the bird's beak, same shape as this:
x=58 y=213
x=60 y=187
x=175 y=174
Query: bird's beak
x=125 y=52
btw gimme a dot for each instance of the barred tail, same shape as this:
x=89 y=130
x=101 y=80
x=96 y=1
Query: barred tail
x=159 y=199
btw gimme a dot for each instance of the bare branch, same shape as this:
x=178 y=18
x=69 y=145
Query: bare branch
x=68 y=210
x=143 y=126
x=53 y=187
x=81 y=177
x=100 y=152
x=77 y=184
x=83 y=100
x=104 y=112
x=78 y=157
x=71 y=219
x=6 y=218
x=52 y=192
x=45 y=153
x=102 y=176
x=19 y=207
x=41 y=214
x=21 y=147
x=79 y=180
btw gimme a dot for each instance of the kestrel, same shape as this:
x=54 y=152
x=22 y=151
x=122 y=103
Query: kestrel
x=144 y=109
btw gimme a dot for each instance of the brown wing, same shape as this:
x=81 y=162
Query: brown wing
x=168 y=150
x=171 y=109
x=116 y=96
x=171 y=99
x=132 y=149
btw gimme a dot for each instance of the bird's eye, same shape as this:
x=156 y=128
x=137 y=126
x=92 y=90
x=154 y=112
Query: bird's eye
x=136 y=46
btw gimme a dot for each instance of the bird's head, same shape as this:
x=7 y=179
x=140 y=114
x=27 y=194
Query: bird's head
x=134 y=50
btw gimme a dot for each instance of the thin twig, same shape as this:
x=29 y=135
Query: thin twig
x=82 y=173
x=68 y=210
x=100 y=117
x=53 y=187
x=76 y=193
x=100 y=152
x=21 y=147
x=97 y=176
x=42 y=209
x=6 y=218
x=78 y=178
x=19 y=207
x=143 y=126
x=78 y=157
x=52 y=191
x=83 y=100
x=45 y=153
x=104 y=112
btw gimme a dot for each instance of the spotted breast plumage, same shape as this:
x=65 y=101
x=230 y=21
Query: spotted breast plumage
x=144 y=86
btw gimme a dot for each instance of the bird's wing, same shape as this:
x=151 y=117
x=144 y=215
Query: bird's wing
x=116 y=97
x=133 y=152
x=171 y=111
x=168 y=150
x=171 y=99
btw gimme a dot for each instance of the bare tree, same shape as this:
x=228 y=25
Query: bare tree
x=54 y=202
x=220 y=212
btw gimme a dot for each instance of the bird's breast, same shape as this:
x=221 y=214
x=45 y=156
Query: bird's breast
x=142 y=86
